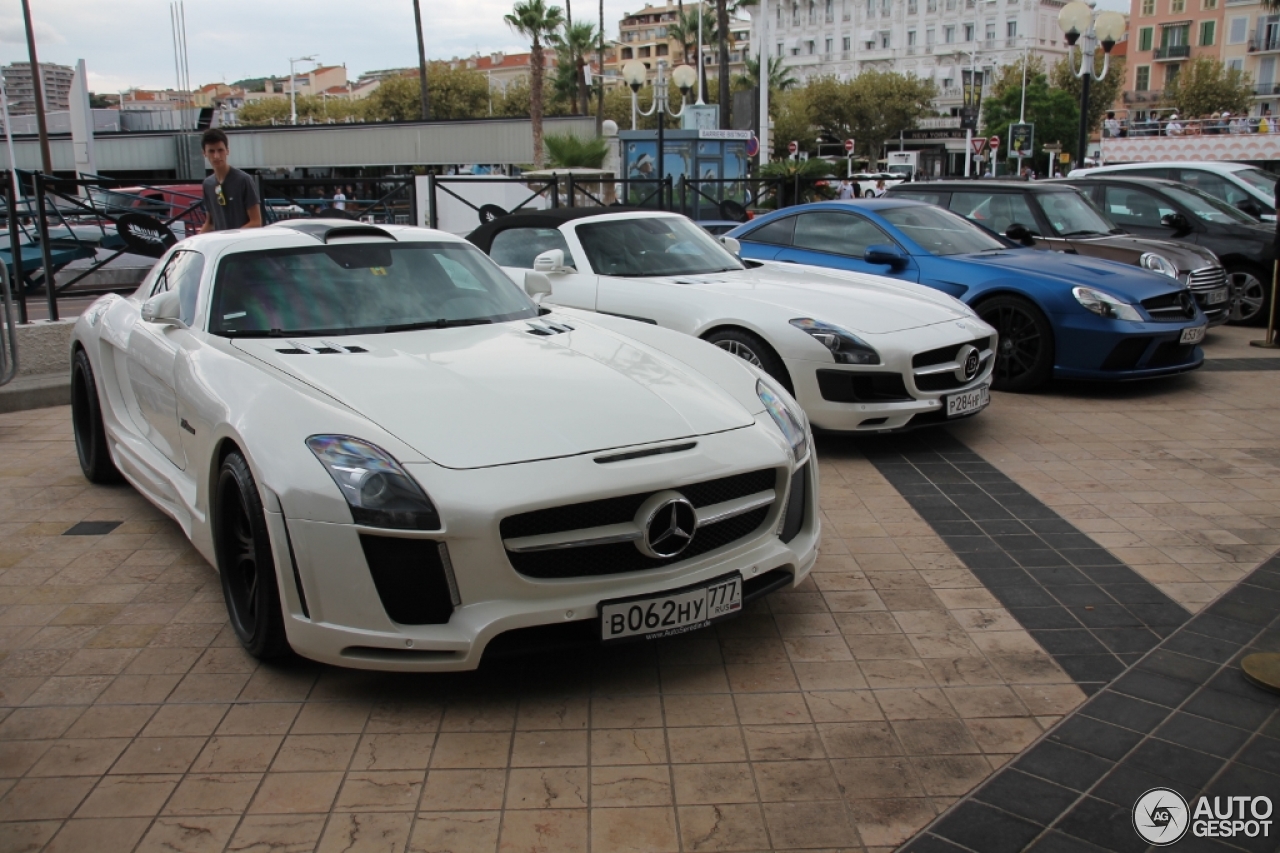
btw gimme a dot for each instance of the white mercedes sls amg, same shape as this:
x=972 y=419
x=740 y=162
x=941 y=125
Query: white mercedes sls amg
x=861 y=353
x=396 y=459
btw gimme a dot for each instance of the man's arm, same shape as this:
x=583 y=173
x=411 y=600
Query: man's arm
x=253 y=204
x=255 y=217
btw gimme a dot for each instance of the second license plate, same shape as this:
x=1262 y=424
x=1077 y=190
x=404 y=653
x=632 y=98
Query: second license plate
x=1192 y=336
x=651 y=617
x=969 y=402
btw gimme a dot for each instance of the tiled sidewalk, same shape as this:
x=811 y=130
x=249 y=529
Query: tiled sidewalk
x=843 y=716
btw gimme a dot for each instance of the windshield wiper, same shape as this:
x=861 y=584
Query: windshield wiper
x=437 y=324
x=1084 y=233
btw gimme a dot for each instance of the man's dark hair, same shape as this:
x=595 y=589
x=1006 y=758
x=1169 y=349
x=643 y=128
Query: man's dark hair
x=213 y=136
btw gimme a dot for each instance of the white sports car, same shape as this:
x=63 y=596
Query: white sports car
x=394 y=457
x=861 y=353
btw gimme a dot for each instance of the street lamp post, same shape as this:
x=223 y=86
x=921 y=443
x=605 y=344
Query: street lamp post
x=293 y=85
x=635 y=72
x=1082 y=24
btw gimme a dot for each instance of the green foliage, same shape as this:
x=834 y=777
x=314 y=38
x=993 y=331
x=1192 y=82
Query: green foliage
x=780 y=79
x=1206 y=85
x=456 y=92
x=99 y=102
x=574 y=43
x=538 y=22
x=790 y=111
x=869 y=108
x=264 y=111
x=517 y=100
x=1054 y=112
x=1102 y=94
x=803 y=180
x=1010 y=76
x=252 y=84
x=569 y=152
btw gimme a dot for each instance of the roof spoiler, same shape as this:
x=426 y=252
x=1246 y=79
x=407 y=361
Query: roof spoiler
x=327 y=231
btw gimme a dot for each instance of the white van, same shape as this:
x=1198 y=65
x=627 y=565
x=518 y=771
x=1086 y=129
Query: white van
x=1246 y=187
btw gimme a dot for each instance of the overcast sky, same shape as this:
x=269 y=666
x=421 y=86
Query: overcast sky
x=127 y=43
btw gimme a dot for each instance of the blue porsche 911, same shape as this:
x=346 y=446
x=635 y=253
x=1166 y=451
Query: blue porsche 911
x=1058 y=315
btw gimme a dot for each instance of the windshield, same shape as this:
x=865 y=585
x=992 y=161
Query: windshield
x=941 y=232
x=1206 y=207
x=1259 y=179
x=1073 y=215
x=361 y=288
x=649 y=246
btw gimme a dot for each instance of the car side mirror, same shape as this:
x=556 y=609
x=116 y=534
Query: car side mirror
x=537 y=285
x=885 y=254
x=732 y=244
x=551 y=262
x=1174 y=220
x=1021 y=234
x=163 y=308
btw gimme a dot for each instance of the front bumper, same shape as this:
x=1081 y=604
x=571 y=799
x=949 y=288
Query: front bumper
x=334 y=612
x=1094 y=348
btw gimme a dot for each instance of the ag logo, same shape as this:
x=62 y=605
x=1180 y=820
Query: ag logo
x=1160 y=816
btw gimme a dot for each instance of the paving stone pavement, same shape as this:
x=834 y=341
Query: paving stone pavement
x=845 y=715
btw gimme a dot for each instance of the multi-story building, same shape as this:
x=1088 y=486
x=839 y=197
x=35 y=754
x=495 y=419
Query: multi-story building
x=56 y=80
x=1165 y=35
x=645 y=35
x=1251 y=43
x=324 y=78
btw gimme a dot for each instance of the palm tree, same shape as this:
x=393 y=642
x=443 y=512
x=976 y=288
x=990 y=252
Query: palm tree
x=574 y=42
x=600 y=60
x=780 y=79
x=722 y=40
x=536 y=21
x=685 y=31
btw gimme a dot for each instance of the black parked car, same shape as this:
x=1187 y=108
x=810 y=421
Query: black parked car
x=1053 y=216
x=1153 y=207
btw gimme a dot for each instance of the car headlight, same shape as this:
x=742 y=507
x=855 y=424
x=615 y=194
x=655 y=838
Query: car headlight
x=1158 y=263
x=1105 y=305
x=379 y=492
x=785 y=413
x=845 y=346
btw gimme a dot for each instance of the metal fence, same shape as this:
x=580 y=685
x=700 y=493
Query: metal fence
x=384 y=201
x=8 y=330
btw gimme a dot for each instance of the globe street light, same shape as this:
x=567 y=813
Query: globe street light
x=1081 y=23
x=684 y=76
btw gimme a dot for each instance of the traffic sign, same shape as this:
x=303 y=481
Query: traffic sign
x=994 y=142
x=979 y=144
x=793 y=146
x=848 y=145
x=753 y=146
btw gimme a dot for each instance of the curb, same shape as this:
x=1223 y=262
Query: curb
x=38 y=391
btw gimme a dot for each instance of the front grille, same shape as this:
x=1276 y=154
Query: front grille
x=846 y=386
x=1171 y=307
x=797 y=501
x=942 y=355
x=1126 y=354
x=409 y=575
x=1207 y=278
x=625 y=557
x=947 y=381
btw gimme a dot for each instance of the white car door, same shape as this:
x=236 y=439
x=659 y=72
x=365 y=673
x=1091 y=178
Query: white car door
x=515 y=248
x=152 y=353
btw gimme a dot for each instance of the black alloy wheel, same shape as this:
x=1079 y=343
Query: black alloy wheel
x=753 y=350
x=1024 y=355
x=245 y=564
x=86 y=423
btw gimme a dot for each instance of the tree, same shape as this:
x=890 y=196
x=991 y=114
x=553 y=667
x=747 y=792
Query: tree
x=870 y=108
x=1206 y=86
x=1102 y=93
x=802 y=180
x=263 y=111
x=571 y=152
x=573 y=42
x=1010 y=76
x=453 y=92
x=790 y=113
x=685 y=30
x=1054 y=112
x=517 y=99
x=780 y=79
x=536 y=21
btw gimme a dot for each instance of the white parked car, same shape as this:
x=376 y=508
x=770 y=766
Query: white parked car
x=1241 y=185
x=394 y=456
x=861 y=353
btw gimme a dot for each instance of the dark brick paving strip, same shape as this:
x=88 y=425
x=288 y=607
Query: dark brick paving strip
x=1183 y=718
x=1092 y=613
x=1242 y=363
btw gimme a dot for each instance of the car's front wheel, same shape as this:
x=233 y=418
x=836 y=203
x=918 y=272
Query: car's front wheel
x=753 y=349
x=86 y=423
x=1248 y=295
x=245 y=563
x=1024 y=356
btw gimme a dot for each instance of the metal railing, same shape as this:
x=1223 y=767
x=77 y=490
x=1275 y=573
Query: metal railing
x=8 y=326
x=386 y=201
x=1264 y=42
x=1172 y=51
x=1160 y=122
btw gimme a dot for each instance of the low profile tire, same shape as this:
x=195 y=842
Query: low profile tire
x=1024 y=356
x=86 y=423
x=1249 y=292
x=245 y=564
x=751 y=348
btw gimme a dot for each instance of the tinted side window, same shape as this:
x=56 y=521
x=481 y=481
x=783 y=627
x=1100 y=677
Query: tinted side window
x=920 y=195
x=1215 y=185
x=1148 y=173
x=995 y=211
x=838 y=233
x=1134 y=207
x=517 y=247
x=183 y=273
x=776 y=233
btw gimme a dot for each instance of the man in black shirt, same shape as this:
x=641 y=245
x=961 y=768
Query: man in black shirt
x=230 y=196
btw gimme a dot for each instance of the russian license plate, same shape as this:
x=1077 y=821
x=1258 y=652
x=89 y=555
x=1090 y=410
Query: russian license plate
x=968 y=402
x=1216 y=297
x=1192 y=336
x=651 y=617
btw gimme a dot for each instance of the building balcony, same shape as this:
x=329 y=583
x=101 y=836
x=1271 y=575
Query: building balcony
x=1264 y=44
x=1172 y=53
x=1146 y=96
x=1266 y=90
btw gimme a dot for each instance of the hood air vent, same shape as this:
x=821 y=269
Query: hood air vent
x=325 y=348
x=545 y=328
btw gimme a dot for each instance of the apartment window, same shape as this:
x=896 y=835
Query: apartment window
x=991 y=30
x=949 y=35
x=813 y=11
x=1146 y=37
x=1148 y=8
x=830 y=42
x=968 y=32
x=663 y=50
x=885 y=8
x=931 y=6
x=781 y=49
x=779 y=14
x=810 y=47
x=831 y=11
x=1235 y=65
x=1179 y=36
x=845 y=43
x=948 y=82
x=913 y=7
x=1238 y=31
x=1207 y=33
x=911 y=38
x=1171 y=74
x=884 y=38
x=951 y=5
x=1011 y=29
x=1209 y=4
x=1142 y=80
x=871 y=8
x=1177 y=7
x=929 y=37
